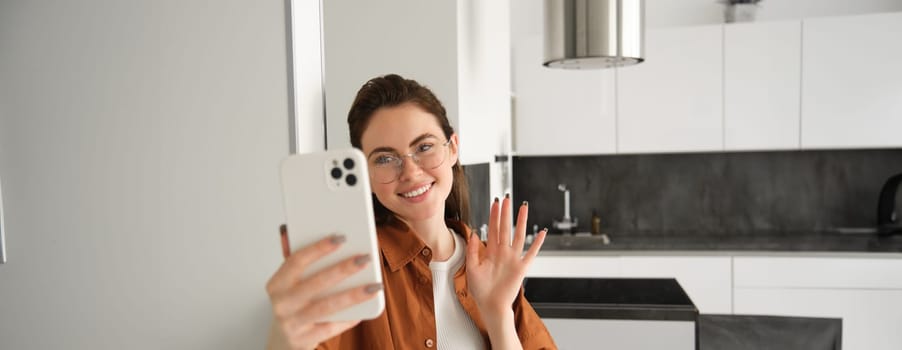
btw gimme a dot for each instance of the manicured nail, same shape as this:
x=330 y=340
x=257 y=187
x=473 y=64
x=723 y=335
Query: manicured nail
x=373 y=288
x=338 y=239
x=283 y=229
x=545 y=230
x=507 y=195
x=496 y=199
x=525 y=203
x=362 y=260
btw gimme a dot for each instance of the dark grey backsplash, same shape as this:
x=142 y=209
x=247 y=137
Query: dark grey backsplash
x=478 y=179
x=710 y=192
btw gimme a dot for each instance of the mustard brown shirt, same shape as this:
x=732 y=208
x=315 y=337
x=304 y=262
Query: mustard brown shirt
x=409 y=318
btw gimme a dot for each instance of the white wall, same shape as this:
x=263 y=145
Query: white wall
x=139 y=155
x=365 y=39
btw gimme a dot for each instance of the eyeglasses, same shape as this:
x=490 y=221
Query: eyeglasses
x=386 y=167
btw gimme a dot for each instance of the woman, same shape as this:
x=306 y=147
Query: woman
x=443 y=287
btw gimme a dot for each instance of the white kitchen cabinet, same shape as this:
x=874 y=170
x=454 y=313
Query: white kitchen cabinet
x=574 y=266
x=706 y=279
x=673 y=101
x=762 y=89
x=459 y=49
x=558 y=111
x=852 y=81
x=865 y=292
x=818 y=272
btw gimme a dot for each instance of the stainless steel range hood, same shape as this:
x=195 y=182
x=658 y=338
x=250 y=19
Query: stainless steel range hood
x=592 y=34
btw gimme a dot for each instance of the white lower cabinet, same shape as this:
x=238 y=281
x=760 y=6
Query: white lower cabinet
x=866 y=293
x=575 y=266
x=571 y=333
x=706 y=279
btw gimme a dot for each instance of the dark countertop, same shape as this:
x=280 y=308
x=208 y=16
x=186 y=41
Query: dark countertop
x=610 y=298
x=771 y=241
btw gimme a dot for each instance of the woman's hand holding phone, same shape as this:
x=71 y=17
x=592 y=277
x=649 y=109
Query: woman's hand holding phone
x=298 y=311
x=494 y=277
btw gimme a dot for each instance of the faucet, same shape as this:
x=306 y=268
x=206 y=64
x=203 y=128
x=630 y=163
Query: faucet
x=566 y=224
x=888 y=222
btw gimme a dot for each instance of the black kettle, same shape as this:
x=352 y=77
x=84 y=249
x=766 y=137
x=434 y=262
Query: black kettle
x=888 y=221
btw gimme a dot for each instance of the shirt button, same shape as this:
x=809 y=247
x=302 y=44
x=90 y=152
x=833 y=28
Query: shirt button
x=429 y=343
x=426 y=252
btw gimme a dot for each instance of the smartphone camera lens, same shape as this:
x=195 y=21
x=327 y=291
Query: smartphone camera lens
x=336 y=173
x=349 y=163
x=351 y=180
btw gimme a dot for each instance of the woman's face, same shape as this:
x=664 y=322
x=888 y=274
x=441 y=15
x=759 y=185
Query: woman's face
x=418 y=193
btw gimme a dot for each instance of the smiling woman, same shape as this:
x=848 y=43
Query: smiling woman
x=443 y=287
x=391 y=114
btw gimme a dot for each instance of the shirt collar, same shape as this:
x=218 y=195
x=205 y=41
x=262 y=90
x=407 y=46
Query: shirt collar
x=400 y=245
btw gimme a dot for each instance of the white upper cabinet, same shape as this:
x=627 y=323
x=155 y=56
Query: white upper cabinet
x=558 y=111
x=673 y=102
x=824 y=83
x=852 y=82
x=762 y=88
x=459 y=49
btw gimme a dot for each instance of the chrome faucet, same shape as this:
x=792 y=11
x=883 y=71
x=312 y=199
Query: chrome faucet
x=888 y=221
x=567 y=224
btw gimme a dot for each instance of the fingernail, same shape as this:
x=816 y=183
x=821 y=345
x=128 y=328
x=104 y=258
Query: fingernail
x=496 y=199
x=283 y=229
x=338 y=239
x=362 y=260
x=545 y=230
x=525 y=203
x=373 y=288
x=507 y=195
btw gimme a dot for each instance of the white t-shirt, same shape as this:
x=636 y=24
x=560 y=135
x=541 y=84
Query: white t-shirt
x=454 y=327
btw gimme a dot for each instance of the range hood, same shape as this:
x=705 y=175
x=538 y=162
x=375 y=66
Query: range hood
x=593 y=34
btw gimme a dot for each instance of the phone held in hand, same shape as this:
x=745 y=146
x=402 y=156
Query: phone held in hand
x=328 y=193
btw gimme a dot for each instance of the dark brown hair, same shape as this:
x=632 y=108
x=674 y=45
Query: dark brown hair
x=393 y=90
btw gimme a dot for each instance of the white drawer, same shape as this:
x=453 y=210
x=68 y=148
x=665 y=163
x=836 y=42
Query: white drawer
x=817 y=272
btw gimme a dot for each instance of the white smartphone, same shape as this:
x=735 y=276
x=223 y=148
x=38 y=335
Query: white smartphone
x=328 y=193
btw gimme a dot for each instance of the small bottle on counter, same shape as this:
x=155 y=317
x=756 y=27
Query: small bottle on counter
x=596 y=223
